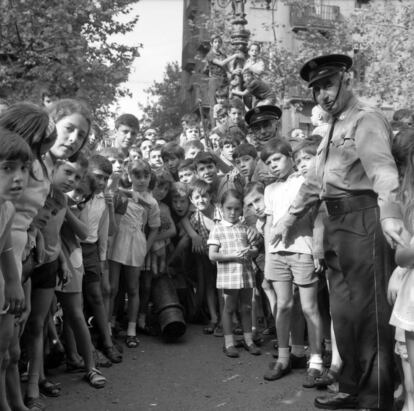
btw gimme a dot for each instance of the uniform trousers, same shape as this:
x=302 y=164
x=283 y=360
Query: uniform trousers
x=359 y=266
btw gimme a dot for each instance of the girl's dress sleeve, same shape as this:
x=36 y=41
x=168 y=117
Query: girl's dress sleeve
x=214 y=238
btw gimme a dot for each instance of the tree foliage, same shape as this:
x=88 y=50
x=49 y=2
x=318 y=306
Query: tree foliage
x=164 y=110
x=65 y=44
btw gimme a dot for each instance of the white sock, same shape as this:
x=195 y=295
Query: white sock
x=228 y=340
x=298 y=350
x=110 y=329
x=132 y=329
x=316 y=362
x=283 y=356
x=248 y=338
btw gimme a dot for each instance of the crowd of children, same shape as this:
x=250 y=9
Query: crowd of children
x=88 y=221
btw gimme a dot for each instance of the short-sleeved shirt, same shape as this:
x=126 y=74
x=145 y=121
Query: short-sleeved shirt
x=231 y=238
x=278 y=198
x=215 y=70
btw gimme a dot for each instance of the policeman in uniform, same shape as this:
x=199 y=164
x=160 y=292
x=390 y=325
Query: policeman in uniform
x=263 y=122
x=355 y=175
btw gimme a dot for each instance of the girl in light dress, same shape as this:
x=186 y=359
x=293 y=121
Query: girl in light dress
x=15 y=155
x=401 y=285
x=130 y=245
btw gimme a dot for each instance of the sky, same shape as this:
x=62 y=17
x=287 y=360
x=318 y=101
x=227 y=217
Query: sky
x=159 y=29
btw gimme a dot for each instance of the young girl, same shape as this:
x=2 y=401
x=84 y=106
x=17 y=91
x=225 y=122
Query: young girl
x=75 y=329
x=129 y=245
x=229 y=248
x=402 y=281
x=14 y=174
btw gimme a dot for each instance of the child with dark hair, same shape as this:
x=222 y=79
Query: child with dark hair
x=49 y=221
x=245 y=160
x=186 y=171
x=222 y=99
x=75 y=329
x=94 y=253
x=155 y=158
x=290 y=263
x=230 y=249
x=15 y=163
x=126 y=132
x=172 y=153
x=258 y=89
x=191 y=132
x=227 y=145
x=202 y=222
x=192 y=148
x=206 y=169
x=130 y=245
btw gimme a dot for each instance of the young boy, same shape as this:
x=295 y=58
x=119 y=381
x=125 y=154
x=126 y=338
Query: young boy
x=245 y=159
x=261 y=91
x=191 y=132
x=192 y=148
x=126 y=132
x=236 y=112
x=186 y=171
x=94 y=250
x=221 y=101
x=227 y=147
x=172 y=154
x=155 y=158
x=206 y=170
x=290 y=263
x=202 y=222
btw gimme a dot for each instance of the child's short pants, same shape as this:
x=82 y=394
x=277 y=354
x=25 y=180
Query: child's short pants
x=44 y=276
x=295 y=267
x=91 y=263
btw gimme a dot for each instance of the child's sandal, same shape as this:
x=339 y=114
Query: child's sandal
x=49 y=388
x=95 y=378
x=131 y=341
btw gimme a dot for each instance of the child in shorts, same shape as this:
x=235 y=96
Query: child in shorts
x=288 y=264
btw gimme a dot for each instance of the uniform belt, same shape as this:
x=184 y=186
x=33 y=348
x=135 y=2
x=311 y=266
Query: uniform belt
x=345 y=205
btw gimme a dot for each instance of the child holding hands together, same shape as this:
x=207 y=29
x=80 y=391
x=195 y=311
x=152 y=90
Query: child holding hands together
x=230 y=249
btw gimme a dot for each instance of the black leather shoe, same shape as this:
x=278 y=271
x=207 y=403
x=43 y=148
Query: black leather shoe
x=336 y=402
x=277 y=372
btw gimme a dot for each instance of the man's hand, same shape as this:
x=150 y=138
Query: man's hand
x=392 y=229
x=279 y=233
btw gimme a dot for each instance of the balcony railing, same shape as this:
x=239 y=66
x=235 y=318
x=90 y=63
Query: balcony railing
x=318 y=17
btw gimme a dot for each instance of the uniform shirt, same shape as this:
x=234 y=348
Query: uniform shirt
x=359 y=160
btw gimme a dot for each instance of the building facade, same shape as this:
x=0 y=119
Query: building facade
x=268 y=21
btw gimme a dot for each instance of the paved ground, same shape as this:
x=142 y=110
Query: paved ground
x=191 y=375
